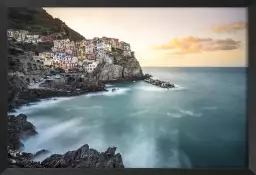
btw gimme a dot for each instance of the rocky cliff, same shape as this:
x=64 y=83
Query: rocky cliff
x=16 y=85
x=124 y=68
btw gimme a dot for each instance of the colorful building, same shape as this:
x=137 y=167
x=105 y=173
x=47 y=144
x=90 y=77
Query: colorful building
x=89 y=65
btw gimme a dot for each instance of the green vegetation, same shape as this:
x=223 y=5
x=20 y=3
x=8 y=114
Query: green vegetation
x=117 y=51
x=38 y=21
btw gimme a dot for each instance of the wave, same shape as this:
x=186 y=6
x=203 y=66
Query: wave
x=174 y=115
x=183 y=113
x=143 y=152
x=75 y=107
x=178 y=88
x=137 y=113
x=174 y=161
x=173 y=132
x=137 y=155
x=95 y=106
x=42 y=104
x=209 y=108
x=47 y=135
x=120 y=91
x=43 y=121
x=184 y=159
x=152 y=88
x=190 y=113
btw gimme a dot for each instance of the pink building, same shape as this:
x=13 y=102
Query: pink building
x=68 y=65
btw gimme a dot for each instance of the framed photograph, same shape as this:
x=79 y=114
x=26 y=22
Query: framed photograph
x=128 y=87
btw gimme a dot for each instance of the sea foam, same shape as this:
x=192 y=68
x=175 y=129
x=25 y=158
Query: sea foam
x=110 y=93
x=43 y=104
x=190 y=113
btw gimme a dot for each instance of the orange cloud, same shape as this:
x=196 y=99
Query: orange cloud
x=229 y=28
x=190 y=44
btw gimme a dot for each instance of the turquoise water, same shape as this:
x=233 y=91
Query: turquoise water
x=202 y=123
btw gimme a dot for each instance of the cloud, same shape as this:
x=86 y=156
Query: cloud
x=229 y=28
x=190 y=44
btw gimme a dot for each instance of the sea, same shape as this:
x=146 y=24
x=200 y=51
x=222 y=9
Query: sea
x=199 y=124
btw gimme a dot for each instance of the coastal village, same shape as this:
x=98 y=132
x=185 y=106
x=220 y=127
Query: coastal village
x=69 y=55
x=73 y=56
x=47 y=60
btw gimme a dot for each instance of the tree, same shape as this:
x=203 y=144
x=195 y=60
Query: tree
x=44 y=32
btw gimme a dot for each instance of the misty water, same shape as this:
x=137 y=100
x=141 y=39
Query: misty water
x=201 y=123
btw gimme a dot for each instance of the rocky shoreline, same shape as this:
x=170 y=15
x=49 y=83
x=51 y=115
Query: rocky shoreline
x=84 y=157
x=159 y=83
x=36 y=95
x=127 y=79
x=19 y=128
x=69 y=89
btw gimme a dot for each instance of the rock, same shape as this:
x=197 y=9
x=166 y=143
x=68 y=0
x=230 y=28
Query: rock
x=159 y=83
x=19 y=127
x=147 y=76
x=125 y=68
x=76 y=85
x=54 y=161
x=41 y=152
x=132 y=72
x=109 y=72
x=110 y=151
x=31 y=164
x=114 y=89
x=18 y=159
x=84 y=157
x=22 y=117
x=15 y=85
x=14 y=141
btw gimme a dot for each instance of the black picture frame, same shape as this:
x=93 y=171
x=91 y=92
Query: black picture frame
x=251 y=83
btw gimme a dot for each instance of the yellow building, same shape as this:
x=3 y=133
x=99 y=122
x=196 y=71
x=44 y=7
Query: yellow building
x=82 y=43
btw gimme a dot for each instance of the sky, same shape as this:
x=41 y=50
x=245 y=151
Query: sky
x=168 y=37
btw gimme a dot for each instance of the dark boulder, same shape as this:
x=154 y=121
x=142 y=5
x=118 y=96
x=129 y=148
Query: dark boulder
x=18 y=159
x=16 y=85
x=159 y=83
x=19 y=127
x=85 y=157
x=41 y=152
